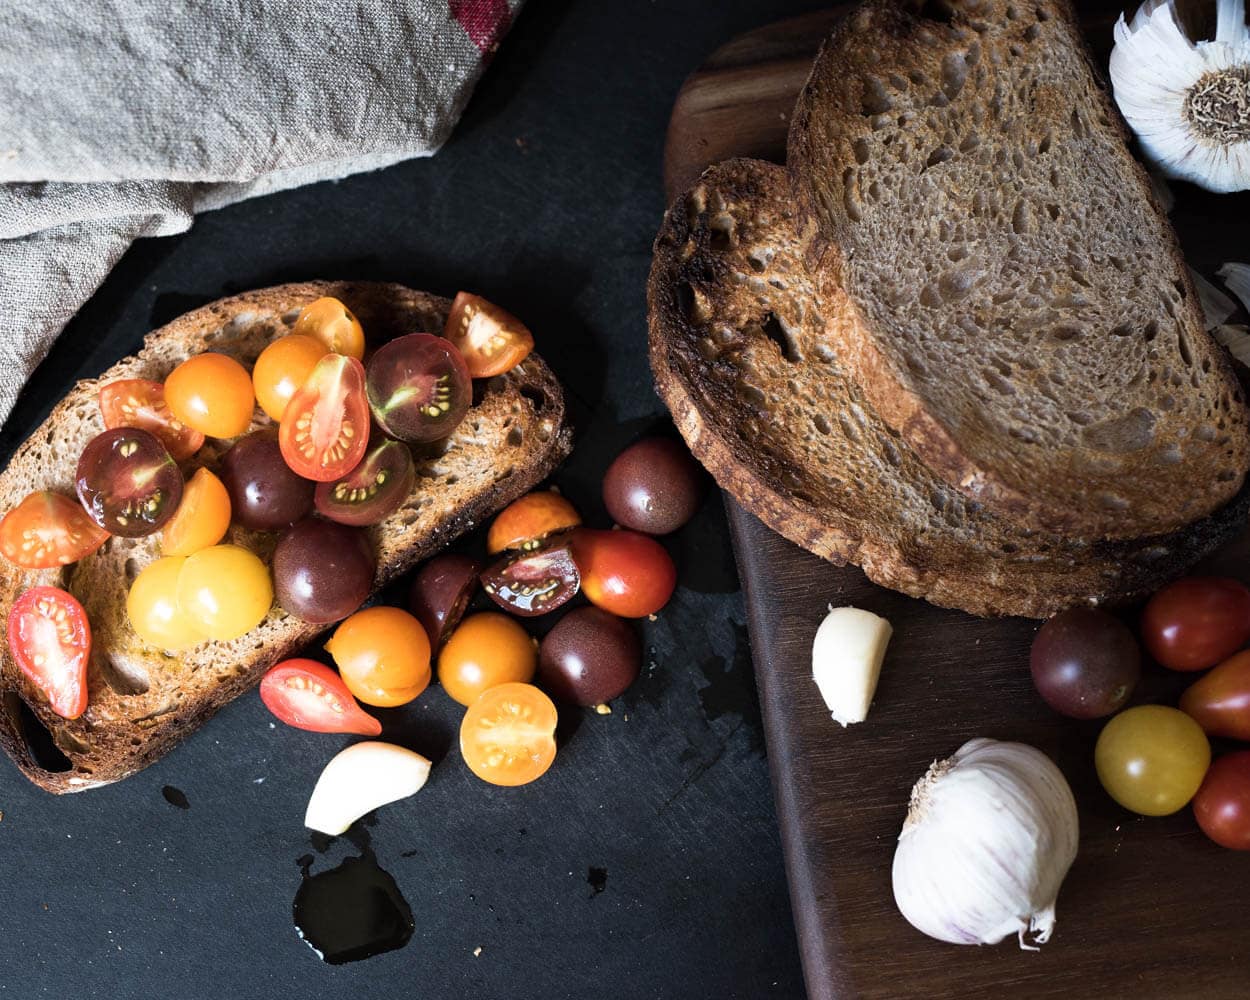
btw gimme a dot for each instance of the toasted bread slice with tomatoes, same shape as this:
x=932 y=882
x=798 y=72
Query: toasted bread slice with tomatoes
x=141 y=701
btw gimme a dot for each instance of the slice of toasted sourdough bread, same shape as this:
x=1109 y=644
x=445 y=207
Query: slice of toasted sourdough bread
x=1018 y=307
x=746 y=348
x=142 y=702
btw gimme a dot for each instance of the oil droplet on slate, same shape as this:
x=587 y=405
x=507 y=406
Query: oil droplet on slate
x=176 y=797
x=597 y=879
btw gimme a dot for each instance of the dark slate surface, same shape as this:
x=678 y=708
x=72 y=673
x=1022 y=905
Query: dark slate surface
x=646 y=863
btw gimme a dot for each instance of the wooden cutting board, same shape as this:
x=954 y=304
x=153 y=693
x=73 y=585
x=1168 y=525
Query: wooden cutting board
x=1150 y=908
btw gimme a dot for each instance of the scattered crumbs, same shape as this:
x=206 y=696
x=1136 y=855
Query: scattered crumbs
x=603 y=708
x=1 y=815
x=45 y=906
x=626 y=716
x=258 y=781
x=477 y=951
x=272 y=726
x=652 y=618
x=977 y=643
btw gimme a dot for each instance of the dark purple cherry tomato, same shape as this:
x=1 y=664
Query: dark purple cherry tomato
x=654 y=486
x=372 y=491
x=534 y=583
x=128 y=482
x=419 y=388
x=589 y=657
x=1085 y=663
x=265 y=495
x=440 y=592
x=322 y=571
x=1196 y=622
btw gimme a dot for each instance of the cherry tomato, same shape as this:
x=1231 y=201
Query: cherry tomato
x=488 y=649
x=1151 y=759
x=211 y=393
x=1222 y=805
x=265 y=494
x=140 y=402
x=623 y=572
x=224 y=591
x=323 y=571
x=383 y=655
x=128 y=482
x=332 y=323
x=47 y=529
x=441 y=592
x=372 y=491
x=1196 y=622
x=533 y=583
x=419 y=389
x=202 y=518
x=325 y=429
x=526 y=523
x=508 y=736
x=309 y=695
x=654 y=486
x=491 y=340
x=1085 y=663
x=1220 y=701
x=282 y=368
x=590 y=657
x=50 y=639
x=152 y=606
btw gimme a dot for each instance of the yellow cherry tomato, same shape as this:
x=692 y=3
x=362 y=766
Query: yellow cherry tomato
x=282 y=368
x=383 y=656
x=486 y=650
x=202 y=517
x=1151 y=759
x=152 y=605
x=211 y=393
x=225 y=591
x=332 y=323
x=508 y=736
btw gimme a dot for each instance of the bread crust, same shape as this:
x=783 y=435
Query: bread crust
x=141 y=702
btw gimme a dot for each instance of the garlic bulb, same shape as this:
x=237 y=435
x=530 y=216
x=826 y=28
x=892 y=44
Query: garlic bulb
x=989 y=836
x=1188 y=102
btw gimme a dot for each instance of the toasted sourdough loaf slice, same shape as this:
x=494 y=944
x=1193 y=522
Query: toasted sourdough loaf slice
x=1020 y=310
x=746 y=348
x=142 y=702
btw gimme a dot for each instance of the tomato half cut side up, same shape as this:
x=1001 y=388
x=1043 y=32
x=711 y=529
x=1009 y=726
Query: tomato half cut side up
x=373 y=490
x=140 y=402
x=50 y=639
x=534 y=583
x=309 y=695
x=47 y=529
x=325 y=427
x=491 y=340
x=508 y=735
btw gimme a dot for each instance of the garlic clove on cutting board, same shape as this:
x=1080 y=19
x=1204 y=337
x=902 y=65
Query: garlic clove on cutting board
x=846 y=661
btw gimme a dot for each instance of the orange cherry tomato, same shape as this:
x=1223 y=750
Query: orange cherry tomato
x=486 y=650
x=211 y=393
x=383 y=655
x=524 y=523
x=508 y=736
x=282 y=368
x=491 y=340
x=202 y=516
x=50 y=638
x=47 y=529
x=623 y=572
x=332 y=323
x=309 y=695
x=140 y=402
x=325 y=428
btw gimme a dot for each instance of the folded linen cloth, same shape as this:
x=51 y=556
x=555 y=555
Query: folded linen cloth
x=123 y=118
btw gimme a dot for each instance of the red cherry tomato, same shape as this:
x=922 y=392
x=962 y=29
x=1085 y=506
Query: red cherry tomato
x=623 y=572
x=1220 y=701
x=490 y=340
x=47 y=529
x=1196 y=622
x=309 y=695
x=140 y=402
x=1222 y=805
x=325 y=426
x=50 y=639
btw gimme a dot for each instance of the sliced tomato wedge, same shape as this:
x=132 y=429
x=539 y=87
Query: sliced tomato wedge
x=140 y=402
x=50 y=639
x=491 y=340
x=48 y=529
x=309 y=695
x=325 y=427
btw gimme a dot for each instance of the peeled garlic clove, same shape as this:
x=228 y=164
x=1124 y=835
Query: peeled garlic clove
x=846 y=661
x=360 y=779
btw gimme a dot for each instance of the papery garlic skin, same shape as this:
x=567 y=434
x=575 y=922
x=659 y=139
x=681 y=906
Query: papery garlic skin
x=989 y=837
x=1188 y=102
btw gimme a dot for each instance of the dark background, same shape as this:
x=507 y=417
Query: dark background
x=546 y=199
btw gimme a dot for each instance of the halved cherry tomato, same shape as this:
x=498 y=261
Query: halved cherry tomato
x=140 y=402
x=441 y=592
x=325 y=429
x=50 y=639
x=486 y=650
x=332 y=323
x=309 y=695
x=127 y=482
x=623 y=572
x=418 y=387
x=1220 y=701
x=508 y=735
x=282 y=368
x=1196 y=622
x=383 y=655
x=526 y=522
x=211 y=393
x=533 y=583
x=372 y=491
x=491 y=340
x=201 y=519
x=47 y=529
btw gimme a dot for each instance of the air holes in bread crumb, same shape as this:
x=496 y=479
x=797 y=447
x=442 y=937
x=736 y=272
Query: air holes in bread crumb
x=942 y=11
x=821 y=423
x=939 y=155
x=874 y=99
x=724 y=234
x=776 y=330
